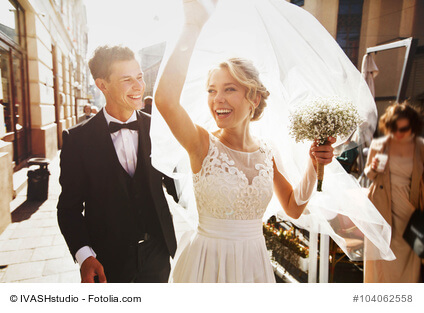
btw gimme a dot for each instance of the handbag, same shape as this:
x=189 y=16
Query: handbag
x=414 y=232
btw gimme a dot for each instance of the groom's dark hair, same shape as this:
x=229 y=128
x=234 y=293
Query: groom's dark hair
x=103 y=58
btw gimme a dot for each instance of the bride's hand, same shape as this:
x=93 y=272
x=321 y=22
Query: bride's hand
x=197 y=12
x=322 y=153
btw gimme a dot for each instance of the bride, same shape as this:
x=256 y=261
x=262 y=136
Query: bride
x=234 y=173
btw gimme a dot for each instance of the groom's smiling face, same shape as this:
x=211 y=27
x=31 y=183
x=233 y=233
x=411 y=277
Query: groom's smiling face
x=125 y=87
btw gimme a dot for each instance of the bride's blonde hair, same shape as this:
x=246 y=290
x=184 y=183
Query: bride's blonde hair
x=246 y=75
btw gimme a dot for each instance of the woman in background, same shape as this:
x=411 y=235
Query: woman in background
x=396 y=189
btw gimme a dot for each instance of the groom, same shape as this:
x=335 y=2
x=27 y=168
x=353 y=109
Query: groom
x=112 y=210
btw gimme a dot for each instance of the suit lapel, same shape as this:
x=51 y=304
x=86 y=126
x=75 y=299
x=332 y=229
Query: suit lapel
x=105 y=151
x=143 y=155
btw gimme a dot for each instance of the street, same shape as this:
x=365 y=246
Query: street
x=32 y=249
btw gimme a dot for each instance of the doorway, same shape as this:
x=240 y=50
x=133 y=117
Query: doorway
x=14 y=102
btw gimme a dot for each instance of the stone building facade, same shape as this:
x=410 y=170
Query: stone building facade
x=43 y=46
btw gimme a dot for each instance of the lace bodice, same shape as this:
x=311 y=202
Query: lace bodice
x=233 y=184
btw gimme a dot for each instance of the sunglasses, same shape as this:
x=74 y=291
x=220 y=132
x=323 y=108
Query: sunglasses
x=403 y=129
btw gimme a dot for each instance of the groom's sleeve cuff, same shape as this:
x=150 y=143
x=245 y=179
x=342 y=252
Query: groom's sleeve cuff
x=83 y=253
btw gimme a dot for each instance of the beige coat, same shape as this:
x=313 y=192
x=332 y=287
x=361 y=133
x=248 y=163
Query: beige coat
x=379 y=191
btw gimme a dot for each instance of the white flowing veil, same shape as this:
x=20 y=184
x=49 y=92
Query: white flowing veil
x=297 y=60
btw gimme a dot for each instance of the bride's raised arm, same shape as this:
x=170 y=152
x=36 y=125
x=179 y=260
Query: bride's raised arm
x=167 y=96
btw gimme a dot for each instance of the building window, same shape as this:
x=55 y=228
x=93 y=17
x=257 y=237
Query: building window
x=10 y=17
x=298 y=2
x=5 y=91
x=349 y=27
x=13 y=73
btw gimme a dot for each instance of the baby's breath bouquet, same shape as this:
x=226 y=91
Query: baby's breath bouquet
x=321 y=118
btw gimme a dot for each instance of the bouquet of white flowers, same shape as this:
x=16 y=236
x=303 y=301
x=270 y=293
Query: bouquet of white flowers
x=321 y=118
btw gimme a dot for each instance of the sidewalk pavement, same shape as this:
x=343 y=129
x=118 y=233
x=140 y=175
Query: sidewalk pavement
x=32 y=249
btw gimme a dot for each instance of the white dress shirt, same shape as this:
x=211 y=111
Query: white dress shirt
x=125 y=142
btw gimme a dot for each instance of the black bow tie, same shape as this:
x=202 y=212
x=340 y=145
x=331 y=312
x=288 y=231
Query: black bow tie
x=114 y=127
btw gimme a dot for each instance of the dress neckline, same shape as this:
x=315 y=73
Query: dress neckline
x=256 y=151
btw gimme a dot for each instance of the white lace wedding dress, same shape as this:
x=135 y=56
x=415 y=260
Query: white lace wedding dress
x=232 y=190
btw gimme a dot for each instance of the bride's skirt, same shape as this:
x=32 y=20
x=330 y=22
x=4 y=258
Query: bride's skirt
x=223 y=251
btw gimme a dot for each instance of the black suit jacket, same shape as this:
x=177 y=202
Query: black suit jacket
x=94 y=205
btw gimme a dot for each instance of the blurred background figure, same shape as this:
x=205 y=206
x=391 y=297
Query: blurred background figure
x=147 y=105
x=395 y=167
x=94 y=110
x=87 y=113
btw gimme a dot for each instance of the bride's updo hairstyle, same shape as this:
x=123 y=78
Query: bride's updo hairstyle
x=246 y=75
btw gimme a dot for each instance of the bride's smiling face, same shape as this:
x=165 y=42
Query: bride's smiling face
x=227 y=99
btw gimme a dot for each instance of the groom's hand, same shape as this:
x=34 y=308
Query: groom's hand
x=91 y=268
